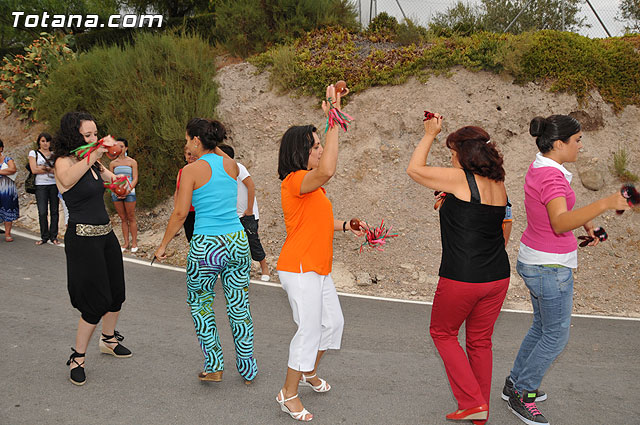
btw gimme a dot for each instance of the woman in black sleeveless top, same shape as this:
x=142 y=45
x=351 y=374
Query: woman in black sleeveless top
x=474 y=271
x=95 y=275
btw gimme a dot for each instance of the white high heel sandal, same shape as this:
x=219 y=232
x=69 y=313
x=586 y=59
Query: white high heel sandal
x=322 y=387
x=298 y=416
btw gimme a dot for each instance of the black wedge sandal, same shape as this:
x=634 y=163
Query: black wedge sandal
x=119 y=351
x=77 y=375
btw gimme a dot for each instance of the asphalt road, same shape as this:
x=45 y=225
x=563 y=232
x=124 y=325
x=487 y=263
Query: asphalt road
x=388 y=371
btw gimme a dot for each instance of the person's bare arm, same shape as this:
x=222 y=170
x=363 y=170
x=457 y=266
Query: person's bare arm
x=329 y=159
x=11 y=168
x=506 y=231
x=134 y=172
x=444 y=179
x=35 y=168
x=563 y=220
x=180 y=210
x=251 y=194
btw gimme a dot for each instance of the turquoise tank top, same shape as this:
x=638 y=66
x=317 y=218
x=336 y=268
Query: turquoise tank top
x=215 y=201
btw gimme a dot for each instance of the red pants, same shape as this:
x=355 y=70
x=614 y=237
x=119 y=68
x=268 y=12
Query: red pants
x=479 y=305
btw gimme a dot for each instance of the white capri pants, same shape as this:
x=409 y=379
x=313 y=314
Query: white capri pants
x=317 y=312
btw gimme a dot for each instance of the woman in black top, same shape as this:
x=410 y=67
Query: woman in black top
x=95 y=274
x=474 y=271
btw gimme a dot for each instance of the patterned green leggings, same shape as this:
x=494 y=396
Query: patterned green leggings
x=226 y=256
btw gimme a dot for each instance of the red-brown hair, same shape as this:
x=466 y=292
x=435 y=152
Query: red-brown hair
x=475 y=154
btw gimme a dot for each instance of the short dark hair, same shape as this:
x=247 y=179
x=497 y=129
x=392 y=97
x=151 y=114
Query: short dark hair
x=210 y=132
x=123 y=140
x=1 y=144
x=47 y=136
x=555 y=127
x=228 y=150
x=68 y=137
x=295 y=147
x=476 y=153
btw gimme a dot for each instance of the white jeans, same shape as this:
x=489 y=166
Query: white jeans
x=317 y=312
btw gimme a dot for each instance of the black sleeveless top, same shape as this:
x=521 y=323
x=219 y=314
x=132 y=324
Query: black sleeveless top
x=472 y=239
x=85 y=200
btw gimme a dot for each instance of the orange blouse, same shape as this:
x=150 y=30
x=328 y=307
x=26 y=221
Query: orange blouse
x=309 y=222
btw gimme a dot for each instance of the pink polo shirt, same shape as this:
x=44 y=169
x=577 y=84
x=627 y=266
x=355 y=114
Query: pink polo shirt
x=541 y=185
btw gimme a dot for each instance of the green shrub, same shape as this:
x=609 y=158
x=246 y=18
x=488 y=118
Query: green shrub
x=409 y=33
x=568 y=62
x=23 y=76
x=246 y=26
x=619 y=169
x=460 y=19
x=146 y=93
x=203 y=25
x=383 y=26
x=579 y=64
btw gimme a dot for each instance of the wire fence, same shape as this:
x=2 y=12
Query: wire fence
x=601 y=17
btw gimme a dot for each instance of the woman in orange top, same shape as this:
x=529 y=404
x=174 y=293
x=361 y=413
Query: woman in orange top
x=304 y=265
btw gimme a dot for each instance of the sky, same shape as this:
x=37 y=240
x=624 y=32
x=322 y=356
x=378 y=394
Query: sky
x=423 y=10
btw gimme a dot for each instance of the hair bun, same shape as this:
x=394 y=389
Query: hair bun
x=537 y=126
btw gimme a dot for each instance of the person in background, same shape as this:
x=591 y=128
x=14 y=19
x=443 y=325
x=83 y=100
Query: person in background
x=46 y=189
x=474 y=270
x=547 y=256
x=9 y=207
x=125 y=206
x=191 y=217
x=247 y=209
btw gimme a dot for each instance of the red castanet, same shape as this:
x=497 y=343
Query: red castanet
x=428 y=115
x=113 y=151
x=341 y=87
x=120 y=190
x=354 y=224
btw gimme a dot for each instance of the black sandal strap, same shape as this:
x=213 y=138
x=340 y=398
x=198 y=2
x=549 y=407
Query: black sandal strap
x=117 y=335
x=74 y=356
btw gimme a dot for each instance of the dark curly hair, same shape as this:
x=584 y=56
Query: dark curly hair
x=556 y=127
x=68 y=137
x=475 y=154
x=210 y=132
x=295 y=147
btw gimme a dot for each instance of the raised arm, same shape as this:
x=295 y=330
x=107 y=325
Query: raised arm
x=68 y=171
x=329 y=159
x=444 y=179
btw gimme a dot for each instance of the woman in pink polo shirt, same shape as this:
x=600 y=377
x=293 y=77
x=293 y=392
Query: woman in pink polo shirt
x=548 y=253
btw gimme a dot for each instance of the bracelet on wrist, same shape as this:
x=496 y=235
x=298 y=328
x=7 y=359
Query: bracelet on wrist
x=344 y=226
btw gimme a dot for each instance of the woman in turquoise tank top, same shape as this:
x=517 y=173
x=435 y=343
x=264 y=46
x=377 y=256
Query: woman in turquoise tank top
x=219 y=247
x=125 y=206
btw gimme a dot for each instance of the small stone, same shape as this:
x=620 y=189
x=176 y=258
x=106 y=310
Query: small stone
x=363 y=279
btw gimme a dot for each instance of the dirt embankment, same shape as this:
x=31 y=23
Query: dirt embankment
x=371 y=182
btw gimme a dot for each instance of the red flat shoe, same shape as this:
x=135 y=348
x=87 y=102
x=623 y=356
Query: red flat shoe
x=477 y=413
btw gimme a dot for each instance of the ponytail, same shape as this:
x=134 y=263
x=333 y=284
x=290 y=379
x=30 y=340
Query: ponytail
x=548 y=130
x=210 y=132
